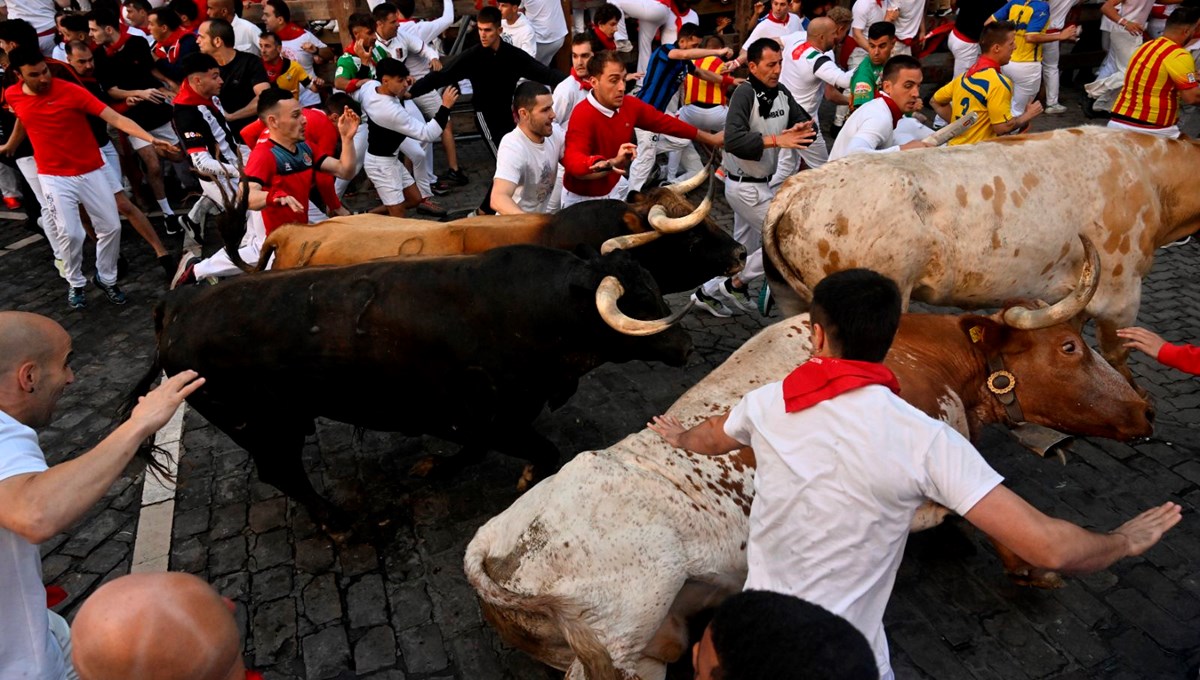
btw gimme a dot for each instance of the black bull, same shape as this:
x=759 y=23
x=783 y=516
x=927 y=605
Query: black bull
x=468 y=349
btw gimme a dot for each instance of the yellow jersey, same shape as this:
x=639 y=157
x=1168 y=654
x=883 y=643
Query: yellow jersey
x=1157 y=72
x=984 y=90
x=1030 y=16
x=292 y=77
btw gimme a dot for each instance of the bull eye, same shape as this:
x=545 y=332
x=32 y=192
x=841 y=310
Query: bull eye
x=1069 y=347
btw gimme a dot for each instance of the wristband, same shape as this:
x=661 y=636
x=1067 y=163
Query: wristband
x=352 y=85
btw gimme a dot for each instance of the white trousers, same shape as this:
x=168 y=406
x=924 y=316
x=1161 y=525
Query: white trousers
x=902 y=48
x=1105 y=88
x=1027 y=80
x=92 y=191
x=570 y=198
x=816 y=155
x=648 y=146
x=61 y=631
x=749 y=202
x=48 y=221
x=1050 y=73
x=8 y=182
x=220 y=266
x=965 y=53
x=710 y=119
x=651 y=16
x=1167 y=132
x=360 y=154
x=547 y=50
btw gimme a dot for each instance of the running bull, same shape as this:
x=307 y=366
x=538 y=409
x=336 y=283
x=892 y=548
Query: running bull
x=469 y=349
x=976 y=226
x=597 y=569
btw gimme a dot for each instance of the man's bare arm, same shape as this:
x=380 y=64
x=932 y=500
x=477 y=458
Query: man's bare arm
x=707 y=438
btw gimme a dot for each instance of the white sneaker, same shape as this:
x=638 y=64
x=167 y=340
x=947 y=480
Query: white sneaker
x=734 y=298
x=711 y=305
x=1055 y=110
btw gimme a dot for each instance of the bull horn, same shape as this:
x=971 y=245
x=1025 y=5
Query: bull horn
x=627 y=241
x=685 y=186
x=1070 y=306
x=673 y=225
x=609 y=292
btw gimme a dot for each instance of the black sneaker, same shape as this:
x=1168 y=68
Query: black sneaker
x=167 y=262
x=76 y=298
x=454 y=176
x=835 y=131
x=711 y=305
x=441 y=187
x=173 y=224
x=185 y=273
x=114 y=294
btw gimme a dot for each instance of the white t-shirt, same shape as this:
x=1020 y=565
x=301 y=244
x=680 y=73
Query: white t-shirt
x=567 y=94
x=27 y=649
x=245 y=36
x=39 y=13
x=866 y=12
x=1130 y=10
x=768 y=28
x=548 y=20
x=690 y=18
x=806 y=71
x=868 y=129
x=294 y=49
x=835 y=489
x=521 y=35
x=531 y=166
x=908 y=24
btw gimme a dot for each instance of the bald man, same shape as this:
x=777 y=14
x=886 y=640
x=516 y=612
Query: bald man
x=812 y=75
x=37 y=502
x=116 y=634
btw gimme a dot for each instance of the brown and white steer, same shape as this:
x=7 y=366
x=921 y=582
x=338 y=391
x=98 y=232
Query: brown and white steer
x=975 y=226
x=599 y=566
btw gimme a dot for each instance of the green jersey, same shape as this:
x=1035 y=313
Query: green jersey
x=864 y=83
x=350 y=66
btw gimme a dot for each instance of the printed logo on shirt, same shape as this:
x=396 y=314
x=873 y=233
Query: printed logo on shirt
x=862 y=88
x=1191 y=78
x=776 y=114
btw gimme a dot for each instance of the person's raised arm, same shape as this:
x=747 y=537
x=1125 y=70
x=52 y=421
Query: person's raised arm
x=344 y=167
x=432 y=28
x=708 y=438
x=134 y=130
x=453 y=70
x=699 y=53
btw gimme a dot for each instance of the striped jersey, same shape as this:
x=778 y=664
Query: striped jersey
x=663 y=77
x=699 y=91
x=1030 y=16
x=987 y=92
x=1150 y=96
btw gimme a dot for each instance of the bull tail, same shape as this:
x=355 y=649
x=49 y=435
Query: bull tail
x=787 y=283
x=564 y=614
x=231 y=224
x=150 y=453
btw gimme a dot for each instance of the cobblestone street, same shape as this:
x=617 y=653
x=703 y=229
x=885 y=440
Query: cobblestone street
x=390 y=601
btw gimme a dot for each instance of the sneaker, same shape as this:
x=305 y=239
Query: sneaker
x=76 y=298
x=114 y=294
x=456 y=177
x=944 y=12
x=624 y=46
x=766 y=302
x=167 y=262
x=835 y=131
x=441 y=187
x=12 y=203
x=734 y=297
x=711 y=305
x=1181 y=242
x=185 y=272
x=1055 y=110
x=173 y=224
x=428 y=206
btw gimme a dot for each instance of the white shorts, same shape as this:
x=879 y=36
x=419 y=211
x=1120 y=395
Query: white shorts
x=389 y=176
x=164 y=131
x=112 y=165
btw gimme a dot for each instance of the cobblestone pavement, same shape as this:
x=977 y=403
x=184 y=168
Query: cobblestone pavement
x=391 y=602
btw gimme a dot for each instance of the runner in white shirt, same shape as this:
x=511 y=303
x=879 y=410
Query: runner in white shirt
x=299 y=45
x=40 y=14
x=835 y=493
x=246 y=34
x=809 y=72
x=517 y=31
x=866 y=12
x=527 y=159
x=1050 y=55
x=779 y=23
x=573 y=90
x=910 y=24
x=550 y=25
x=873 y=126
x=1125 y=23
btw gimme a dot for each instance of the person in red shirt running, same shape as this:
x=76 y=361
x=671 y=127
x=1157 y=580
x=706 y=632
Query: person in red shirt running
x=321 y=133
x=1180 y=356
x=70 y=167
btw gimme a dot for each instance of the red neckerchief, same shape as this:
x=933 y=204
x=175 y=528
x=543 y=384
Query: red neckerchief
x=607 y=42
x=897 y=114
x=163 y=49
x=800 y=49
x=822 y=378
x=274 y=71
x=253 y=675
x=782 y=22
x=290 y=31
x=583 y=84
x=115 y=47
x=982 y=65
x=189 y=97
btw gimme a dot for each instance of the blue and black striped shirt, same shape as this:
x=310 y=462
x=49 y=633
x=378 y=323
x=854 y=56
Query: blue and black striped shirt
x=663 y=77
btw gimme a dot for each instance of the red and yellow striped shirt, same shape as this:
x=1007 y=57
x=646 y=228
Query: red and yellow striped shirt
x=697 y=91
x=1157 y=71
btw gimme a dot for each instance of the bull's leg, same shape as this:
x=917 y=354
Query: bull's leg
x=276 y=455
x=790 y=302
x=525 y=442
x=442 y=467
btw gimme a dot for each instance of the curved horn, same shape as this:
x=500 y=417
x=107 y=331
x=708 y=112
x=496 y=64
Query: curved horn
x=609 y=292
x=685 y=186
x=627 y=241
x=1068 y=307
x=673 y=225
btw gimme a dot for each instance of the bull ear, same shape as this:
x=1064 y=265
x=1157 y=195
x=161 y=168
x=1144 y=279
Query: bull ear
x=983 y=332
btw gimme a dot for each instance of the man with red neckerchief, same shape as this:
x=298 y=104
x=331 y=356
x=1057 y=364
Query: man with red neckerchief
x=571 y=91
x=842 y=464
x=778 y=23
x=172 y=42
x=874 y=126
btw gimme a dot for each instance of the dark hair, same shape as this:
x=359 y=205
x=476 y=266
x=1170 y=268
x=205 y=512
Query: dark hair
x=338 y=101
x=995 y=33
x=860 y=312
x=219 y=29
x=197 y=62
x=18 y=31
x=880 y=29
x=382 y=11
x=391 y=67
x=598 y=61
x=167 y=17
x=273 y=36
x=688 y=31
x=140 y=4
x=488 y=15
x=581 y=39
x=77 y=46
x=76 y=23
x=898 y=63
x=185 y=8
x=761 y=635
x=713 y=42
x=362 y=20
x=527 y=93
x=281 y=9
x=809 y=7
x=25 y=55
x=1183 y=16
x=508 y=2
x=754 y=53
x=606 y=13
x=269 y=98
x=104 y=18
x=406 y=8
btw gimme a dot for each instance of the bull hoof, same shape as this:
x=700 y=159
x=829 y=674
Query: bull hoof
x=526 y=480
x=1037 y=578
